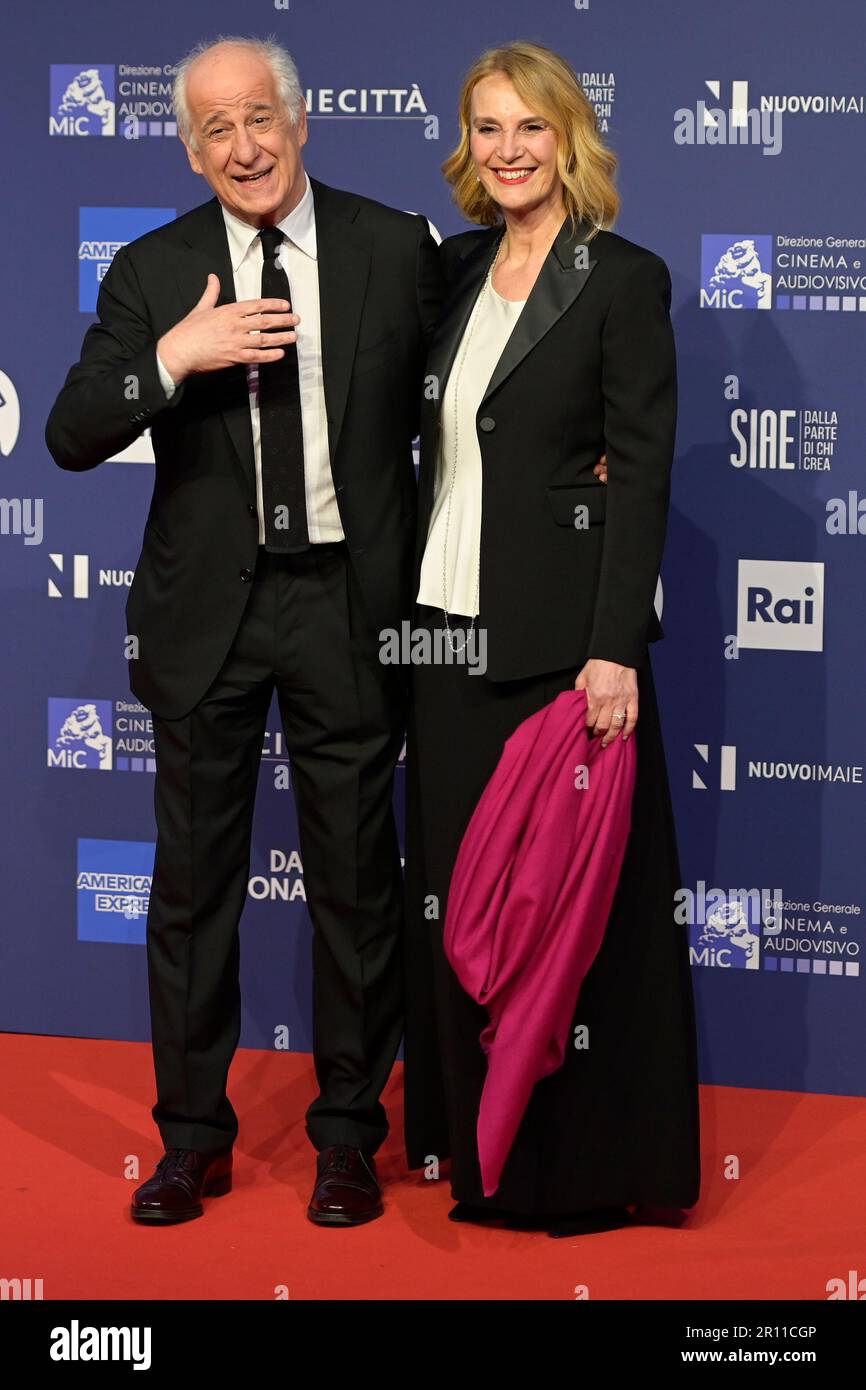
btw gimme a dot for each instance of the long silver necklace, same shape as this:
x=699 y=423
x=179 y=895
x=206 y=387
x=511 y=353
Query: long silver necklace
x=467 y=337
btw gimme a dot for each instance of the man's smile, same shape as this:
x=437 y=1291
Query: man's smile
x=251 y=180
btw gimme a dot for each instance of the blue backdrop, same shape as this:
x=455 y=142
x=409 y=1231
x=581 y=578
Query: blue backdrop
x=740 y=131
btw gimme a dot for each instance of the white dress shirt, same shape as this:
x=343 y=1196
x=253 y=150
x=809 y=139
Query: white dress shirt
x=494 y=322
x=297 y=256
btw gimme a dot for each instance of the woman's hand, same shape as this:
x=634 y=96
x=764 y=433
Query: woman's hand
x=611 y=690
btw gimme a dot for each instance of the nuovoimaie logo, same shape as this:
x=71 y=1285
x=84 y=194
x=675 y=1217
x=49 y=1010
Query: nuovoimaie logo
x=80 y=734
x=735 y=272
x=82 y=99
x=101 y=233
x=113 y=879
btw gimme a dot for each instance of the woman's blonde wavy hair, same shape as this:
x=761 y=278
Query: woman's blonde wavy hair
x=547 y=84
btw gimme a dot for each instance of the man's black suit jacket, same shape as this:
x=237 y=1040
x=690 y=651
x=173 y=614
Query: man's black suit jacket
x=589 y=367
x=380 y=287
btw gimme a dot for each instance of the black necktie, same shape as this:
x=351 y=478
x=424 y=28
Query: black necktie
x=282 y=439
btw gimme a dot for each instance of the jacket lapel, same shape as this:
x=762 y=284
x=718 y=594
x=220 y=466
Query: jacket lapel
x=456 y=311
x=205 y=233
x=559 y=282
x=344 y=254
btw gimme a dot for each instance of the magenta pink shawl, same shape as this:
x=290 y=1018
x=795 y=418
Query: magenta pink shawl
x=530 y=897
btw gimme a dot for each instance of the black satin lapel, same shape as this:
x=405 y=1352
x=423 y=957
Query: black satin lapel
x=344 y=254
x=556 y=288
x=206 y=235
x=455 y=316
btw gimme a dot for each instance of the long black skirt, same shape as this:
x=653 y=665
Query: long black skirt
x=618 y=1123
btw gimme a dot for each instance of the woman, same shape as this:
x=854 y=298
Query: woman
x=554 y=345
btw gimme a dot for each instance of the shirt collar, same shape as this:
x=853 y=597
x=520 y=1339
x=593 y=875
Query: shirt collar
x=299 y=226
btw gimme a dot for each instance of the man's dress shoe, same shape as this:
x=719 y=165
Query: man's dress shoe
x=182 y=1177
x=347 y=1191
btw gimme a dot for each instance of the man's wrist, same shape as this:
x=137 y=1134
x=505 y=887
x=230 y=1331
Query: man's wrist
x=169 y=369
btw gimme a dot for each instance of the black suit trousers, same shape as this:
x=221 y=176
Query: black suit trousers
x=303 y=634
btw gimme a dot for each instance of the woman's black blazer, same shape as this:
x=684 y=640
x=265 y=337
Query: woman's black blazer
x=569 y=565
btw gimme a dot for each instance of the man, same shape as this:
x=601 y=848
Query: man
x=274 y=340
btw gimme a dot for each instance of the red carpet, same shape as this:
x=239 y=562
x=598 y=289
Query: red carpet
x=73 y=1111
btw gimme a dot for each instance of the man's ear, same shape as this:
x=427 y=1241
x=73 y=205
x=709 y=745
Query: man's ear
x=194 y=161
x=301 y=125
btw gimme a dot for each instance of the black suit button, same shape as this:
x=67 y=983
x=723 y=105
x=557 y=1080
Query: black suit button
x=251 y=508
x=246 y=575
x=487 y=424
